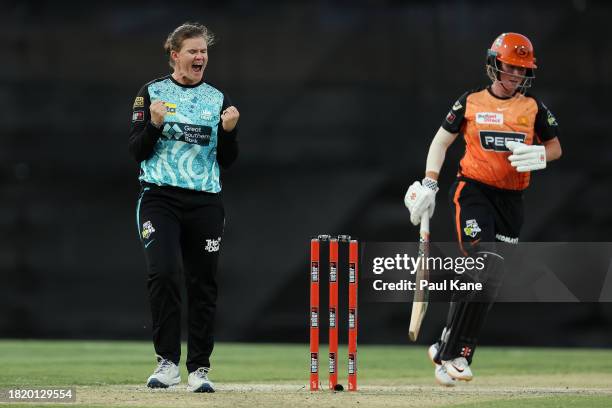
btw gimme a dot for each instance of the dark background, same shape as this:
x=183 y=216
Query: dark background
x=339 y=101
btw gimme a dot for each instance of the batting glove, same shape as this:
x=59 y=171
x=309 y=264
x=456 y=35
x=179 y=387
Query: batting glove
x=420 y=199
x=526 y=157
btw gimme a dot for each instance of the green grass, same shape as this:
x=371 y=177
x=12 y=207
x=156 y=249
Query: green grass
x=100 y=362
x=103 y=365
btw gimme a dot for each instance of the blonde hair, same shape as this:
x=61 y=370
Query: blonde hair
x=175 y=39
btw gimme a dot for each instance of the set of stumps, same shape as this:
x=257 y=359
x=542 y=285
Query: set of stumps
x=318 y=246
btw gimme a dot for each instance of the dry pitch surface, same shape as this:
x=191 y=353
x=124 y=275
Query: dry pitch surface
x=585 y=390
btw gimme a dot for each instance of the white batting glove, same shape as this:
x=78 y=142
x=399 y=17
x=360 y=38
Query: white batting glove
x=420 y=199
x=526 y=157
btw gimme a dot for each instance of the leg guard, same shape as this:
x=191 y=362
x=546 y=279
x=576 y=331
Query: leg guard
x=467 y=317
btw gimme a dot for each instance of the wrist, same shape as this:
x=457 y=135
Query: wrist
x=430 y=184
x=156 y=125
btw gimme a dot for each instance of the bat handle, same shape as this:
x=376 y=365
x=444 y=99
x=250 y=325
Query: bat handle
x=425 y=223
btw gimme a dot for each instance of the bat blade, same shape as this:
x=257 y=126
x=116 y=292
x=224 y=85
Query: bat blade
x=420 y=301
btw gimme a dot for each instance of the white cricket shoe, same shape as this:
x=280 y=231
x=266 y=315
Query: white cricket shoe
x=198 y=381
x=458 y=368
x=440 y=373
x=165 y=375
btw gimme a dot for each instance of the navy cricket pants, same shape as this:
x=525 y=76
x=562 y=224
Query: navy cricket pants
x=180 y=231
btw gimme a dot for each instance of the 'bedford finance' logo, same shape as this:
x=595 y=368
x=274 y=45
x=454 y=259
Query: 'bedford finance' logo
x=496 y=141
x=490 y=118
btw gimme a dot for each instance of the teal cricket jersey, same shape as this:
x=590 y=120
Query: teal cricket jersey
x=185 y=151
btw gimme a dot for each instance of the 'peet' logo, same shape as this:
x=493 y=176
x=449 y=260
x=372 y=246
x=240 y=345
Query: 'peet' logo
x=496 y=141
x=490 y=118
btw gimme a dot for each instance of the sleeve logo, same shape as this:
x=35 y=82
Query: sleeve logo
x=138 y=102
x=551 y=119
x=138 y=116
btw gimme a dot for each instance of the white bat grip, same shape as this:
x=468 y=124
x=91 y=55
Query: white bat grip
x=425 y=223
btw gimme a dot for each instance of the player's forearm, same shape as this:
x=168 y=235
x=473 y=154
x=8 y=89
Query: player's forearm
x=142 y=141
x=227 y=148
x=437 y=152
x=553 y=149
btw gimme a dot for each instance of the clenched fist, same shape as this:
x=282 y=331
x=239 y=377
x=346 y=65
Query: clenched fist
x=229 y=118
x=158 y=111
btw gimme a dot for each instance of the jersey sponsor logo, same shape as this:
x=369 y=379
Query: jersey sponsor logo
x=471 y=228
x=496 y=141
x=193 y=134
x=504 y=238
x=138 y=102
x=490 y=118
x=213 y=245
x=138 y=116
x=457 y=106
x=170 y=108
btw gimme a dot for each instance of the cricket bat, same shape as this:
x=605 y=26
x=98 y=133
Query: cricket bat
x=420 y=301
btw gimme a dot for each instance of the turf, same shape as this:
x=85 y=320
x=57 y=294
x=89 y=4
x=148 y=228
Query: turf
x=112 y=374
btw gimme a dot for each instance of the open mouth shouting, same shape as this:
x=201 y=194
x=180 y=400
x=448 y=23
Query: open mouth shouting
x=197 y=67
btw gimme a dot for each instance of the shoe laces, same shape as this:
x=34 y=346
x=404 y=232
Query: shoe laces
x=202 y=372
x=163 y=366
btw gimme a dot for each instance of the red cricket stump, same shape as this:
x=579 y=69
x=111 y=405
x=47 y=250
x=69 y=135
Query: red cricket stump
x=314 y=314
x=333 y=313
x=352 y=314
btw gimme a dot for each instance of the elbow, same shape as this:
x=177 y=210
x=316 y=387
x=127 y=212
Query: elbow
x=226 y=161
x=227 y=154
x=137 y=154
x=134 y=153
x=138 y=150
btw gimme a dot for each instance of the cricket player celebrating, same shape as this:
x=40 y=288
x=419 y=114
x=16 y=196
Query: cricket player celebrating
x=508 y=134
x=183 y=131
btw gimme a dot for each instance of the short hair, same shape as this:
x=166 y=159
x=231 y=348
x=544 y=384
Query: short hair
x=175 y=39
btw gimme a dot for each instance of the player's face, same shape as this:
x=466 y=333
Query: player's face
x=511 y=76
x=191 y=60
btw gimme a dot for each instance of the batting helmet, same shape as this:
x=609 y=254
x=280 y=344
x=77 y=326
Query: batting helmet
x=513 y=49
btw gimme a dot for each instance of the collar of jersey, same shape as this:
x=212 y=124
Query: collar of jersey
x=183 y=85
x=495 y=96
